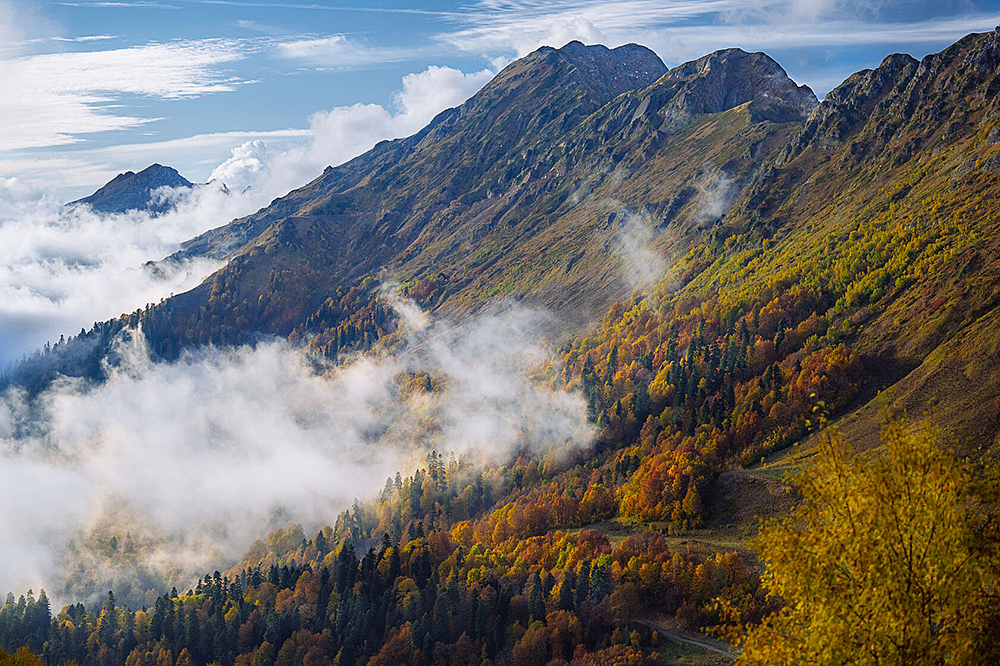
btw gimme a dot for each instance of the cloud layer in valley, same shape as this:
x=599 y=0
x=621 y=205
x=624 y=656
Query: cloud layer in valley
x=199 y=457
x=60 y=270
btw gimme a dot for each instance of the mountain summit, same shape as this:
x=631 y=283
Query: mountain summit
x=134 y=191
x=730 y=77
x=611 y=72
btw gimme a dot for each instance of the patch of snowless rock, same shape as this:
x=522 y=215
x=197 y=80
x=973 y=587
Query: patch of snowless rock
x=611 y=72
x=135 y=191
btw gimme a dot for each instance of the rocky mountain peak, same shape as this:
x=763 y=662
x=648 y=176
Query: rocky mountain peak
x=879 y=108
x=611 y=72
x=728 y=78
x=134 y=191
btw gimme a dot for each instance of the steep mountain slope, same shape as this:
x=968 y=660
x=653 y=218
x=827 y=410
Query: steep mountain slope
x=876 y=232
x=540 y=186
x=910 y=150
x=133 y=191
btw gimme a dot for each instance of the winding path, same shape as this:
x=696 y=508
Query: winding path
x=677 y=638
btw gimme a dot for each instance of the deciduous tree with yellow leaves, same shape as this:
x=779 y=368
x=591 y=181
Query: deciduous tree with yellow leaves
x=887 y=560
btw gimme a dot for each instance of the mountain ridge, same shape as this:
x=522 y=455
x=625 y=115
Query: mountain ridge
x=477 y=205
x=489 y=108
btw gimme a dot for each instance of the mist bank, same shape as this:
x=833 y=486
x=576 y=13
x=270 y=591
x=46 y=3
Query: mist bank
x=63 y=268
x=167 y=470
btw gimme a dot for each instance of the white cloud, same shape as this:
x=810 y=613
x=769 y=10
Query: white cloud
x=84 y=38
x=52 y=99
x=642 y=262
x=247 y=161
x=684 y=29
x=344 y=132
x=263 y=439
x=340 y=52
x=62 y=270
x=426 y=94
x=522 y=27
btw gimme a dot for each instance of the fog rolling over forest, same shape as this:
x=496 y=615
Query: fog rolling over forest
x=167 y=470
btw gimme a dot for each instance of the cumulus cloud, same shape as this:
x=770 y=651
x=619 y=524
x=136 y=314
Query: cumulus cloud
x=342 y=133
x=263 y=438
x=246 y=163
x=52 y=99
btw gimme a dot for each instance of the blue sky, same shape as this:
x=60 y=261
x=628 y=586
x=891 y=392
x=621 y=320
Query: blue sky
x=93 y=87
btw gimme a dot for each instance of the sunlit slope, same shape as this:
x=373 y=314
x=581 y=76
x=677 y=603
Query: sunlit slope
x=876 y=234
x=896 y=174
x=543 y=185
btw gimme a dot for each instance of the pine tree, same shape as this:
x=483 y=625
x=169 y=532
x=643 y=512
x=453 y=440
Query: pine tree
x=536 y=602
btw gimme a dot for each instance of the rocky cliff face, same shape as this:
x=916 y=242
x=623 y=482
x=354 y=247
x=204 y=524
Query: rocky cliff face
x=611 y=72
x=904 y=99
x=134 y=191
x=731 y=77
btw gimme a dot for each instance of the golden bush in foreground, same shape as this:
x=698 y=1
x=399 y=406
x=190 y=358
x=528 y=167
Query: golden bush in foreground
x=886 y=561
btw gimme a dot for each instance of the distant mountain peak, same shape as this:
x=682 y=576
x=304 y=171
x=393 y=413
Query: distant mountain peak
x=133 y=191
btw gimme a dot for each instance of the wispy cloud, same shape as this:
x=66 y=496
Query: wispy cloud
x=320 y=7
x=682 y=29
x=145 y=4
x=53 y=99
x=523 y=26
x=837 y=33
x=341 y=52
x=84 y=38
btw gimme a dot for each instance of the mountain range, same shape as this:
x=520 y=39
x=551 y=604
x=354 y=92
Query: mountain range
x=528 y=190
x=731 y=264
x=558 y=181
